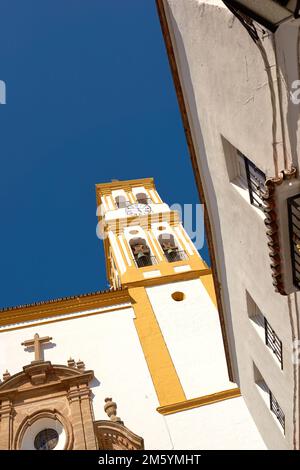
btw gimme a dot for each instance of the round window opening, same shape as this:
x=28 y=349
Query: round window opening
x=178 y=296
x=133 y=232
x=46 y=439
x=161 y=227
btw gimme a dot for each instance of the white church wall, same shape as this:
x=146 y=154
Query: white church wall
x=225 y=425
x=109 y=345
x=191 y=330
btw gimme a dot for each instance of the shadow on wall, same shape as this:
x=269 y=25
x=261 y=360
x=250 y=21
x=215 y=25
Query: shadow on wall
x=208 y=189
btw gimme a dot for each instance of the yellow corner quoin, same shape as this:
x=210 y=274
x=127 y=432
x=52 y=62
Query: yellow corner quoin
x=200 y=401
x=164 y=376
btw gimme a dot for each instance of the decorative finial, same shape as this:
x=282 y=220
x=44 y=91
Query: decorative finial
x=80 y=365
x=110 y=409
x=71 y=362
x=6 y=375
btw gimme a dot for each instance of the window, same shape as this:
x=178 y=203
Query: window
x=46 y=439
x=248 y=179
x=170 y=248
x=142 y=198
x=264 y=329
x=273 y=342
x=269 y=398
x=121 y=202
x=141 y=253
x=255 y=182
x=275 y=408
x=242 y=174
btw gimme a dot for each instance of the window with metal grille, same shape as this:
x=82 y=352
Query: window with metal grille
x=268 y=397
x=264 y=328
x=294 y=231
x=272 y=341
x=275 y=408
x=255 y=181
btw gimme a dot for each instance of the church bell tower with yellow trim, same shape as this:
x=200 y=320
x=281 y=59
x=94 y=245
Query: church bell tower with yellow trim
x=149 y=253
x=145 y=242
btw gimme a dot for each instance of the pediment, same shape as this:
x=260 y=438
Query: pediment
x=44 y=374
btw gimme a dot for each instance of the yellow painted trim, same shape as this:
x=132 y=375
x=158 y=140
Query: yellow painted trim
x=152 y=246
x=121 y=251
x=208 y=283
x=106 y=199
x=160 y=201
x=127 y=185
x=128 y=250
x=200 y=401
x=135 y=276
x=111 y=202
x=157 y=245
x=154 y=198
x=63 y=306
x=55 y=320
x=144 y=221
x=187 y=239
x=114 y=255
x=164 y=376
x=130 y=196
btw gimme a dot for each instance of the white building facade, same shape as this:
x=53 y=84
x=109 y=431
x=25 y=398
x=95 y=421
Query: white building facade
x=242 y=128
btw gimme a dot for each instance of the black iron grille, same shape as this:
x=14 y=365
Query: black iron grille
x=294 y=229
x=275 y=408
x=175 y=255
x=145 y=260
x=255 y=180
x=272 y=341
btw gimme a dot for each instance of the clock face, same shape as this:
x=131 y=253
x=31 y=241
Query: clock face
x=138 y=209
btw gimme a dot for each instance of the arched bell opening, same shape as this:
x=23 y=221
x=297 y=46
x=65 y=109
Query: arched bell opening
x=141 y=252
x=143 y=198
x=170 y=248
x=121 y=202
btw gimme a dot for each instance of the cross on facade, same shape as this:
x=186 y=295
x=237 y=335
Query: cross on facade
x=37 y=342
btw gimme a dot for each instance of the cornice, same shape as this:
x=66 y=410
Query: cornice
x=199 y=401
x=62 y=306
x=144 y=221
x=127 y=185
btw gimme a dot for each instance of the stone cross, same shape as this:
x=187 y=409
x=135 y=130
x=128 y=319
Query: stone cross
x=37 y=342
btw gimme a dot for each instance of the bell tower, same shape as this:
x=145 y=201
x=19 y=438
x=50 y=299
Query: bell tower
x=144 y=240
x=149 y=253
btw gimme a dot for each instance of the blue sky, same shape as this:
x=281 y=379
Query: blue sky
x=89 y=98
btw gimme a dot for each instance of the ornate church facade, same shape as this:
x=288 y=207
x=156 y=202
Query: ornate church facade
x=154 y=342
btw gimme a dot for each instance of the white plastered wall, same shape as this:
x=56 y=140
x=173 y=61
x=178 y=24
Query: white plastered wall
x=191 y=330
x=226 y=91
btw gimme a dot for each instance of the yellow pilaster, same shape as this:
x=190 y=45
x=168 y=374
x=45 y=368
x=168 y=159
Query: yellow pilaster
x=164 y=376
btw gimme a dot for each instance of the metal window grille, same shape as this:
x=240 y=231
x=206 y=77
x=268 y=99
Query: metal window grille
x=273 y=342
x=145 y=260
x=294 y=231
x=255 y=180
x=175 y=255
x=275 y=408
